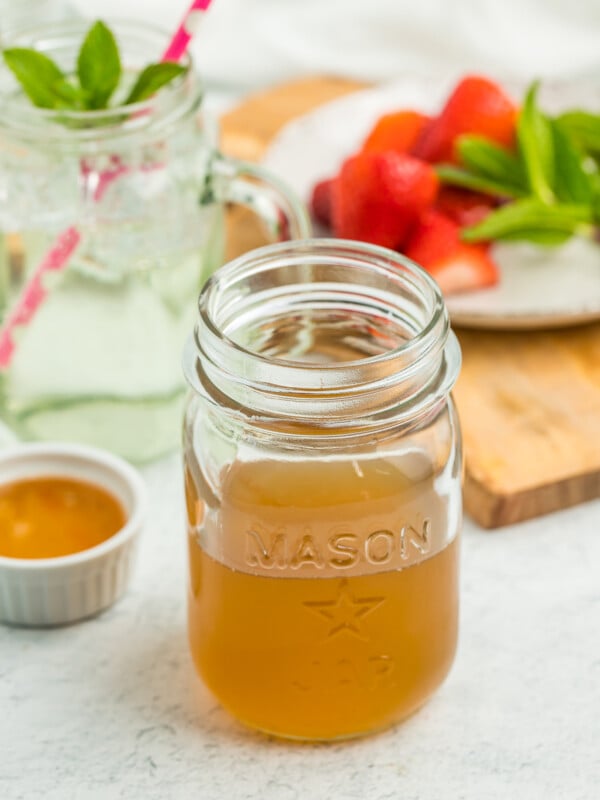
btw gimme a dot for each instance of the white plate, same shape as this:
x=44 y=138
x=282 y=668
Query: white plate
x=539 y=287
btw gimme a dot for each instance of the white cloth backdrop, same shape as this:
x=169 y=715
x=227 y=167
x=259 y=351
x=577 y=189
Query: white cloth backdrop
x=250 y=43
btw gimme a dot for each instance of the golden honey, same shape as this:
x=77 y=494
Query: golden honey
x=51 y=516
x=327 y=608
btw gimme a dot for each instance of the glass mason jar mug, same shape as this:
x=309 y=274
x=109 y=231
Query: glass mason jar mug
x=322 y=470
x=142 y=192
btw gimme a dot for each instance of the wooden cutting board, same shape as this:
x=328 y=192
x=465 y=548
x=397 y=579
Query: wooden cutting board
x=529 y=403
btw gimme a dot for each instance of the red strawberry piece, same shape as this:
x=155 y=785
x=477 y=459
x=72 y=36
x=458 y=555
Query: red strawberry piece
x=464 y=206
x=320 y=201
x=397 y=131
x=477 y=105
x=435 y=244
x=377 y=197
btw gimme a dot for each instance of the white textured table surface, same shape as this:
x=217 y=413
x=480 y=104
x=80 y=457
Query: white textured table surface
x=111 y=708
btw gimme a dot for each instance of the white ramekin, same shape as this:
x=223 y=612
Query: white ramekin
x=55 y=591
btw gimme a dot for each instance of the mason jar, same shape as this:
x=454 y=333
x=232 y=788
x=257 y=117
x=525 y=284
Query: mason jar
x=14 y=16
x=323 y=488
x=110 y=221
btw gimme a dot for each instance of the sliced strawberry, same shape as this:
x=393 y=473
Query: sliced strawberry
x=477 y=105
x=397 y=131
x=377 y=197
x=320 y=201
x=464 y=206
x=435 y=244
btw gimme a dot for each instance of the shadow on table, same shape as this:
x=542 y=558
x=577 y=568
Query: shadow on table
x=157 y=691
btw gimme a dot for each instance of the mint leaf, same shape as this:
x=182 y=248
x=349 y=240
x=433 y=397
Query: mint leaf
x=489 y=160
x=519 y=219
x=536 y=145
x=69 y=97
x=537 y=236
x=153 y=78
x=97 y=76
x=551 y=187
x=573 y=184
x=478 y=183
x=98 y=66
x=595 y=200
x=38 y=75
x=583 y=127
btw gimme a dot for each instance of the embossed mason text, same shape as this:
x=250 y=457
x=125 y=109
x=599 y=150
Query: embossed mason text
x=339 y=549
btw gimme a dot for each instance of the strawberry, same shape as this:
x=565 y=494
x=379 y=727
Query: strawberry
x=377 y=197
x=463 y=205
x=397 y=131
x=320 y=201
x=477 y=105
x=435 y=244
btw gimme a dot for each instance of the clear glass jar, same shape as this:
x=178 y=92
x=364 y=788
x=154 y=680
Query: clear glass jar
x=144 y=192
x=323 y=487
x=15 y=16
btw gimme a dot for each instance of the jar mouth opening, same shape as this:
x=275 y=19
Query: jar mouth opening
x=321 y=327
x=401 y=274
x=140 y=43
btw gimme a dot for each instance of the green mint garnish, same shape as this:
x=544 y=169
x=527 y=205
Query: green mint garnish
x=536 y=145
x=572 y=181
x=38 y=75
x=583 y=127
x=533 y=220
x=153 y=78
x=98 y=66
x=469 y=179
x=549 y=185
x=493 y=162
x=94 y=80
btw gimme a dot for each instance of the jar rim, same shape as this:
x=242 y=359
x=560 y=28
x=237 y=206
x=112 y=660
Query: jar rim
x=217 y=283
x=185 y=92
x=412 y=373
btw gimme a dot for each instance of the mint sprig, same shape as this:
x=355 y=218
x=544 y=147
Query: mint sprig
x=534 y=221
x=572 y=179
x=494 y=162
x=549 y=185
x=583 y=127
x=536 y=147
x=39 y=76
x=488 y=168
x=95 y=78
x=98 y=66
x=476 y=181
x=151 y=79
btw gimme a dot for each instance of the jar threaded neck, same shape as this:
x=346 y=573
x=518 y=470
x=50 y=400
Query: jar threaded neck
x=324 y=332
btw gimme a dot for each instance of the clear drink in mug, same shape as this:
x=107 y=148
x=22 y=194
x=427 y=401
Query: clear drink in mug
x=99 y=361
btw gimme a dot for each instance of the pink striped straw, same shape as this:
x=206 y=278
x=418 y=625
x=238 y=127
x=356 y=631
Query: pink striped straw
x=34 y=292
x=186 y=31
x=65 y=244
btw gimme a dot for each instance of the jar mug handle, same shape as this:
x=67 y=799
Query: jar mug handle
x=233 y=181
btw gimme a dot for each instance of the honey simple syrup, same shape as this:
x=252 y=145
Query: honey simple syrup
x=330 y=606
x=323 y=484
x=50 y=517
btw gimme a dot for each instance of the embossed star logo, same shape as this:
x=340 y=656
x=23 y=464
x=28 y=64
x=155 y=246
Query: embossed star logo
x=345 y=612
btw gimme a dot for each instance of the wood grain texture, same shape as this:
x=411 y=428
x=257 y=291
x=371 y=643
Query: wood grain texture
x=248 y=129
x=529 y=403
x=530 y=411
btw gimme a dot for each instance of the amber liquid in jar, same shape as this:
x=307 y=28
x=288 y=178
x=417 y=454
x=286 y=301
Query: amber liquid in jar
x=322 y=459
x=323 y=596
